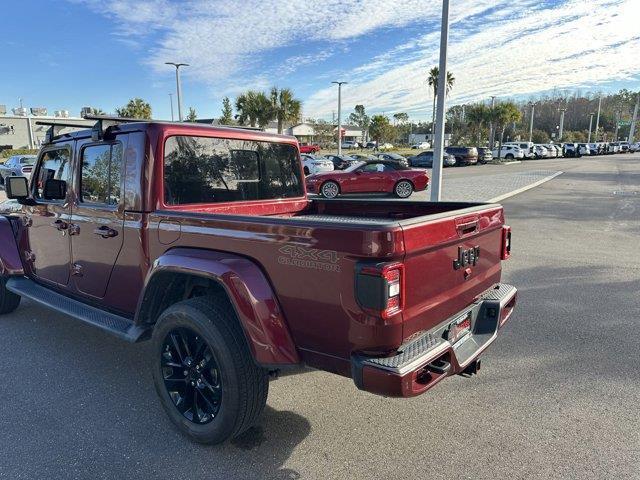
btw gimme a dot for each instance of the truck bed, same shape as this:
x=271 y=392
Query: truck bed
x=312 y=267
x=379 y=212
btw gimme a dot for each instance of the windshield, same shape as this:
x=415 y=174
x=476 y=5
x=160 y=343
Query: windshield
x=354 y=167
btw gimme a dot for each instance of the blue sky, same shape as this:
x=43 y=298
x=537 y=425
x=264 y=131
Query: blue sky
x=70 y=53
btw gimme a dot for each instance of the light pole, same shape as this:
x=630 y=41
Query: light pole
x=339 y=116
x=634 y=119
x=598 y=117
x=438 y=150
x=492 y=134
x=171 y=100
x=590 y=122
x=178 y=90
x=562 y=110
x=533 y=111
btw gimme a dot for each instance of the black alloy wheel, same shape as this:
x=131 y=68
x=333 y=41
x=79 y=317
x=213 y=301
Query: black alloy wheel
x=191 y=375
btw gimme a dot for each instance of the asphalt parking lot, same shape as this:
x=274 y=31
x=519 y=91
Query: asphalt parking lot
x=557 y=396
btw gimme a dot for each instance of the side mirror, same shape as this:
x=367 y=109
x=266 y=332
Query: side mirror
x=55 y=189
x=17 y=188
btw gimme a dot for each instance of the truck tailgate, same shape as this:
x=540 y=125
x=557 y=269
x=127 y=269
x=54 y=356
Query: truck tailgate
x=450 y=259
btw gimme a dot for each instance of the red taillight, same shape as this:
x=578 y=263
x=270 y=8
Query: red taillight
x=380 y=289
x=395 y=291
x=27 y=169
x=506 y=242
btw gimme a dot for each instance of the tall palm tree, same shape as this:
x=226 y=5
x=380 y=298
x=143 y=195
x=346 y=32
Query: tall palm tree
x=285 y=108
x=503 y=114
x=253 y=107
x=432 y=80
x=477 y=116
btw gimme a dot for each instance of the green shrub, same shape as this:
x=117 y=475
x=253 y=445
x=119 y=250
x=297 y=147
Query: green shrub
x=4 y=154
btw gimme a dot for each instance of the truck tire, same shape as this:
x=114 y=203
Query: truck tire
x=9 y=301
x=204 y=373
x=509 y=156
x=330 y=189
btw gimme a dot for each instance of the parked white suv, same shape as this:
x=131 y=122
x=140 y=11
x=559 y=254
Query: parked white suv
x=540 y=151
x=551 y=150
x=526 y=147
x=348 y=144
x=509 y=152
x=421 y=146
x=312 y=164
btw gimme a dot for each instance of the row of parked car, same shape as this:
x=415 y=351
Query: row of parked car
x=313 y=148
x=453 y=156
x=528 y=150
x=600 y=148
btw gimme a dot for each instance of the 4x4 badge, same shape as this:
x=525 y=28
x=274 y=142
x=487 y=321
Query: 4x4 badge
x=466 y=257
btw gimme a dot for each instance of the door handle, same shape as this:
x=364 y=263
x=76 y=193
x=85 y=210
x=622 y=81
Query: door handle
x=60 y=225
x=105 y=232
x=467 y=228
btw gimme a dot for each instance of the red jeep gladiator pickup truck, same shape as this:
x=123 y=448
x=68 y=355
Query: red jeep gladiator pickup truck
x=202 y=239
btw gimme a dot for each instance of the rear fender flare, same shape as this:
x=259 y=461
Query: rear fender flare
x=10 y=261
x=248 y=290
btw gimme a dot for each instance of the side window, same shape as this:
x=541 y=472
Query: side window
x=371 y=167
x=210 y=170
x=54 y=164
x=100 y=177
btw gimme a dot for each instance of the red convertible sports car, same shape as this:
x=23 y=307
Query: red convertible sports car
x=369 y=177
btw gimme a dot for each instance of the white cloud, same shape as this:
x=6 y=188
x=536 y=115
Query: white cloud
x=497 y=47
x=526 y=50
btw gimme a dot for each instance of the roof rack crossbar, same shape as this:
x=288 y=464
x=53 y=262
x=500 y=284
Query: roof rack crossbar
x=132 y=120
x=55 y=128
x=61 y=124
x=114 y=118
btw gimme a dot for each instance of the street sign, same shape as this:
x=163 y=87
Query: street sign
x=624 y=123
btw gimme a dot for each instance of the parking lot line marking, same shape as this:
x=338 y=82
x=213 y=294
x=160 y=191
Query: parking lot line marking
x=524 y=189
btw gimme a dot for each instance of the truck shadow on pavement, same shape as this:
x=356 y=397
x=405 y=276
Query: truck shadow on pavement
x=89 y=410
x=570 y=318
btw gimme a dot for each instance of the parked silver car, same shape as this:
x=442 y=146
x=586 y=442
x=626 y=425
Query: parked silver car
x=17 y=166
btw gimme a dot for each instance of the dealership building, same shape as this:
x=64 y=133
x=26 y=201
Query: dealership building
x=20 y=128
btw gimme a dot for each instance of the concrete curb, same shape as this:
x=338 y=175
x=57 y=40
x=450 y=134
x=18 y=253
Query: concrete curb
x=512 y=163
x=524 y=189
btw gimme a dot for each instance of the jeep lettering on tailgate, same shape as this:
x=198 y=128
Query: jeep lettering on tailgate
x=466 y=257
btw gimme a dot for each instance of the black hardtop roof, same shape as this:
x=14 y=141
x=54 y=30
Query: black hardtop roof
x=124 y=125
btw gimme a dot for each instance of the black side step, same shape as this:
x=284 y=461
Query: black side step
x=119 y=326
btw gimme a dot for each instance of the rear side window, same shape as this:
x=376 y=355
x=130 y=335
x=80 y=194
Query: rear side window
x=212 y=170
x=100 y=177
x=54 y=164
